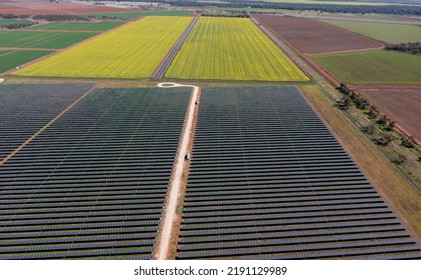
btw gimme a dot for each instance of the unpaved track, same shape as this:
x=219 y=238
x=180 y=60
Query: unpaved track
x=169 y=213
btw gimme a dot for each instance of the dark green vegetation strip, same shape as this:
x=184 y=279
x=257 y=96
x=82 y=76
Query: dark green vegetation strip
x=268 y=180
x=131 y=15
x=373 y=67
x=11 y=59
x=85 y=26
x=14 y=21
x=39 y=39
x=93 y=184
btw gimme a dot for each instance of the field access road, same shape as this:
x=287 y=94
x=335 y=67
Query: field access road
x=169 y=213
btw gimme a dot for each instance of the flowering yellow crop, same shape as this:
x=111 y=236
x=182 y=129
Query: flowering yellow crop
x=231 y=49
x=132 y=51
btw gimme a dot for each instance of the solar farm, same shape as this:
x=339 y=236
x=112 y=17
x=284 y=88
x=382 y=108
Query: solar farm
x=92 y=185
x=207 y=133
x=271 y=182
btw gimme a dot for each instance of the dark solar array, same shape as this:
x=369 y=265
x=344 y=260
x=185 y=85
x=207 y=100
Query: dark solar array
x=93 y=184
x=269 y=181
x=26 y=108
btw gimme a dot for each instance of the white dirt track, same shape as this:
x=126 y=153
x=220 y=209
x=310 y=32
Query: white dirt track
x=175 y=184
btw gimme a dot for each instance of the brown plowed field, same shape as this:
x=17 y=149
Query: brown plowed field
x=311 y=36
x=38 y=7
x=402 y=105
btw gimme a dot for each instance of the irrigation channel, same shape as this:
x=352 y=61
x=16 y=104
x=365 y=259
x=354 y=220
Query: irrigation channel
x=162 y=68
x=169 y=213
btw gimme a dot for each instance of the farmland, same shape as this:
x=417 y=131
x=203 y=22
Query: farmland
x=12 y=58
x=386 y=32
x=231 y=49
x=373 y=67
x=294 y=195
x=131 y=15
x=132 y=51
x=93 y=184
x=85 y=26
x=41 y=7
x=311 y=36
x=13 y=21
x=401 y=104
x=39 y=39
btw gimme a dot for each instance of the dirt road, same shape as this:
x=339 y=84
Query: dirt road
x=164 y=239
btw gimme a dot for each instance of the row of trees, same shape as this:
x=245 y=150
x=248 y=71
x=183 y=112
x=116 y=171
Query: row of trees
x=16 y=25
x=60 y=18
x=329 y=8
x=350 y=97
x=410 y=47
x=12 y=16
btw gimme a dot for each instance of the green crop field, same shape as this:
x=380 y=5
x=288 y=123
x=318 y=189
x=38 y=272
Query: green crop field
x=39 y=39
x=373 y=67
x=13 y=21
x=231 y=49
x=386 y=32
x=130 y=15
x=78 y=26
x=132 y=51
x=11 y=59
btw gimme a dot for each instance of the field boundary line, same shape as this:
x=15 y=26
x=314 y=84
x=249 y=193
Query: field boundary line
x=345 y=51
x=24 y=144
x=163 y=66
x=163 y=243
x=381 y=43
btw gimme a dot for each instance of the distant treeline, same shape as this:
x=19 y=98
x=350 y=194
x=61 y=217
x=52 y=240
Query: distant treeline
x=16 y=25
x=12 y=16
x=60 y=18
x=330 y=8
x=411 y=47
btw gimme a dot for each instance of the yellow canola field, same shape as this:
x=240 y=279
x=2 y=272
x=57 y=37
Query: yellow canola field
x=132 y=51
x=232 y=49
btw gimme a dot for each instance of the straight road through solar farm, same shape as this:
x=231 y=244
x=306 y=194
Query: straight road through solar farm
x=268 y=180
x=93 y=184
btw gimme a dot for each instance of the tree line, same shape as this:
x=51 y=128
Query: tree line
x=16 y=25
x=350 y=97
x=410 y=47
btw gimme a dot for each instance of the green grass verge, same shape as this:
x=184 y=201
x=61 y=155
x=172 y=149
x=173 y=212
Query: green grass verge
x=77 y=26
x=373 y=67
x=12 y=59
x=386 y=32
x=39 y=39
x=130 y=15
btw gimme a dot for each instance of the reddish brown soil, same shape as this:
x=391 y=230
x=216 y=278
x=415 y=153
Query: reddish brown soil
x=311 y=36
x=402 y=105
x=43 y=7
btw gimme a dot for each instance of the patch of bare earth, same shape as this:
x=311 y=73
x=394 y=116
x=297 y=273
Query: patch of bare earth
x=311 y=36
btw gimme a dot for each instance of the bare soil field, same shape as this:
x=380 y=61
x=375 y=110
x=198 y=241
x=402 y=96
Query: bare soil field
x=310 y=36
x=401 y=104
x=38 y=7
